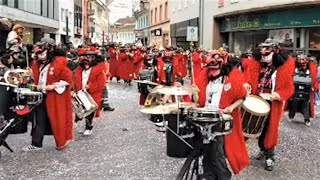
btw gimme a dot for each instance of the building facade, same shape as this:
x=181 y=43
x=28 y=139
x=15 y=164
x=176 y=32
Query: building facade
x=98 y=22
x=66 y=22
x=78 y=23
x=123 y=31
x=159 y=18
x=184 y=13
x=244 y=24
x=142 y=23
x=40 y=19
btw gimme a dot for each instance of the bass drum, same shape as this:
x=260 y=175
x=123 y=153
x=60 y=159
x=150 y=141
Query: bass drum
x=255 y=112
x=175 y=146
x=7 y=97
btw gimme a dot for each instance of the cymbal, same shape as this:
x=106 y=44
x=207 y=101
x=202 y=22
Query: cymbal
x=182 y=105
x=159 y=110
x=147 y=82
x=7 y=84
x=178 y=91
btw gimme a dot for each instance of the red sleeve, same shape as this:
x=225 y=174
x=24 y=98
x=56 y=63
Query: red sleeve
x=196 y=58
x=78 y=79
x=314 y=74
x=284 y=80
x=99 y=80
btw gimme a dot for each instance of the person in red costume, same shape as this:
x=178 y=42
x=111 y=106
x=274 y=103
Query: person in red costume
x=54 y=79
x=90 y=75
x=180 y=66
x=114 y=63
x=125 y=69
x=197 y=64
x=222 y=88
x=137 y=60
x=152 y=70
x=306 y=84
x=271 y=78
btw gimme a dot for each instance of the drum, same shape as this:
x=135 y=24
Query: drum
x=7 y=97
x=175 y=146
x=212 y=121
x=31 y=97
x=255 y=111
x=83 y=104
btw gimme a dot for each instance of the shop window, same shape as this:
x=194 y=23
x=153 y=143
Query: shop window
x=284 y=36
x=314 y=38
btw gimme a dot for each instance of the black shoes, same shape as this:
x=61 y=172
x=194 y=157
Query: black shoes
x=269 y=164
x=108 y=108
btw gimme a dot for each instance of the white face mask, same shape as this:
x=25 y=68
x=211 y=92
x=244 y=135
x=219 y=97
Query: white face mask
x=267 y=58
x=42 y=56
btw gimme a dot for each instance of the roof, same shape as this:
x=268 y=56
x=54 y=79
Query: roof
x=126 y=20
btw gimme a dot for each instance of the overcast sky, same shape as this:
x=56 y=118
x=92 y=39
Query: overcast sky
x=120 y=9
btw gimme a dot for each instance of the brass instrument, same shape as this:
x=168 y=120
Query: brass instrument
x=16 y=76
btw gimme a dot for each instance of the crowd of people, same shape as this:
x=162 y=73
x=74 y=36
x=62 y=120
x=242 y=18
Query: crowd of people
x=224 y=81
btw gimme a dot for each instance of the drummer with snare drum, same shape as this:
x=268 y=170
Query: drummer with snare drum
x=90 y=76
x=221 y=87
x=269 y=75
x=54 y=115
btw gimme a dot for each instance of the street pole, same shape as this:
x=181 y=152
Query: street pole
x=191 y=62
x=102 y=38
x=67 y=27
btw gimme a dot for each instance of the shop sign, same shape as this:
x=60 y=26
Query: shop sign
x=156 y=32
x=274 y=20
x=192 y=33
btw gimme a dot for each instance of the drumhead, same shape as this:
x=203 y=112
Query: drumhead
x=226 y=117
x=256 y=105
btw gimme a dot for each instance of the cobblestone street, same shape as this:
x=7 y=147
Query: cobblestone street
x=126 y=146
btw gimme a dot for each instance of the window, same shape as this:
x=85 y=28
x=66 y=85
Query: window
x=62 y=15
x=314 y=39
x=155 y=15
x=11 y=3
x=166 y=11
x=151 y=17
x=160 y=14
x=4 y=2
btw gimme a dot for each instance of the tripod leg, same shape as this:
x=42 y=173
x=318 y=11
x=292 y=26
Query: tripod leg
x=187 y=164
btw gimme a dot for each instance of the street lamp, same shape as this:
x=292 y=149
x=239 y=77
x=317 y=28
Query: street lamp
x=67 y=26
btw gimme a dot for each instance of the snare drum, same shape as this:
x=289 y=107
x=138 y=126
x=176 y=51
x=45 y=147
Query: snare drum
x=32 y=97
x=255 y=111
x=218 y=123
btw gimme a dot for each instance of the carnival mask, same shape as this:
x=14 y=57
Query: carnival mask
x=214 y=64
x=302 y=61
x=267 y=54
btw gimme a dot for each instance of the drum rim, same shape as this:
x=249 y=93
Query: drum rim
x=255 y=113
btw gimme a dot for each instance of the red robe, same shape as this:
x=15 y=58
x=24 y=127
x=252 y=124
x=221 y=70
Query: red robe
x=113 y=62
x=180 y=65
x=284 y=87
x=59 y=106
x=235 y=147
x=96 y=83
x=196 y=65
x=314 y=73
x=138 y=62
x=126 y=69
